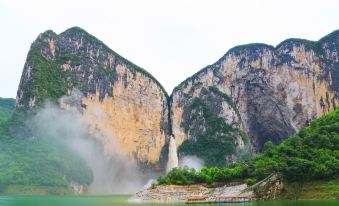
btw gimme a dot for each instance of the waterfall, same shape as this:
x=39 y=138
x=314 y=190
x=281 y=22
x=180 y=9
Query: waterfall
x=172 y=155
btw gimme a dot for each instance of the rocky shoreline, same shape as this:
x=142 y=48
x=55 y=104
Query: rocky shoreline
x=266 y=189
x=179 y=193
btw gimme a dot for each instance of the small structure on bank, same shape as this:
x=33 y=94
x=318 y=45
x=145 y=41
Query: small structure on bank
x=203 y=199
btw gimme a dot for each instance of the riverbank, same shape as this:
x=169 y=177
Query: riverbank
x=267 y=189
x=36 y=190
x=179 y=193
x=312 y=190
x=119 y=200
x=272 y=188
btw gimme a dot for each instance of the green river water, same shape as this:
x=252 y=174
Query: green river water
x=121 y=200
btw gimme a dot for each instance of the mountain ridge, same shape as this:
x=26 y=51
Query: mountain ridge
x=265 y=92
x=251 y=45
x=74 y=59
x=298 y=78
x=232 y=49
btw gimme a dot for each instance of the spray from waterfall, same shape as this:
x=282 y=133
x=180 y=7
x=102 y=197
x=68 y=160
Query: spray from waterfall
x=172 y=155
x=115 y=174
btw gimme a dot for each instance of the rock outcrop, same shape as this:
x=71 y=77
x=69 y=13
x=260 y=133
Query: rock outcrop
x=253 y=94
x=275 y=91
x=125 y=106
x=179 y=193
x=268 y=189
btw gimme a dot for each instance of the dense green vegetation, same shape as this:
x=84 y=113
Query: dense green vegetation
x=317 y=189
x=37 y=161
x=7 y=103
x=311 y=154
x=48 y=82
x=218 y=139
x=186 y=176
x=36 y=190
x=6 y=108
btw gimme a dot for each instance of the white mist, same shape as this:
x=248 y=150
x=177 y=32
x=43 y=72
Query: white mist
x=191 y=162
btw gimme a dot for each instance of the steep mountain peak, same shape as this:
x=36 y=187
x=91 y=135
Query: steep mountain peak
x=276 y=91
x=79 y=35
x=122 y=102
x=62 y=53
x=254 y=93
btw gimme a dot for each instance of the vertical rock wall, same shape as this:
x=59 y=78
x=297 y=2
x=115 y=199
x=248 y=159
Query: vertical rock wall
x=253 y=94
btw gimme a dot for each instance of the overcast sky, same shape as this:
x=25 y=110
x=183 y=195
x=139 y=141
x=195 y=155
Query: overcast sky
x=171 y=39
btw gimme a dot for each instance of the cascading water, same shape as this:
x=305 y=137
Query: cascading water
x=172 y=155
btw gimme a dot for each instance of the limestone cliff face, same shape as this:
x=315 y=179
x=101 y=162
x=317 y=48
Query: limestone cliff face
x=126 y=107
x=277 y=90
x=253 y=94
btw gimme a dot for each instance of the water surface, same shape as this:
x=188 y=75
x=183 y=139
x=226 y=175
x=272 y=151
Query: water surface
x=121 y=200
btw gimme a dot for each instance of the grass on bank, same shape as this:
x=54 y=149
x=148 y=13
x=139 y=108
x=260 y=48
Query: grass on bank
x=312 y=190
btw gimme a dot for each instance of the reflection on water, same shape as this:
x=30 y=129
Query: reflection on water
x=121 y=200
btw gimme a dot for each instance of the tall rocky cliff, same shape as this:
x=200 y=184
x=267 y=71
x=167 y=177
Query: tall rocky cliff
x=127 y=109
x=274 y=90
x=253 y=94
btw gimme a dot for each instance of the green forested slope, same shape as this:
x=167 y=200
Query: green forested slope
x=311 y=154
x=36 y=162
x=6 y=108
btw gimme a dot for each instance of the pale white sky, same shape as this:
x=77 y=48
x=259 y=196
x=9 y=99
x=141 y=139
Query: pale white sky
x=171 y=39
